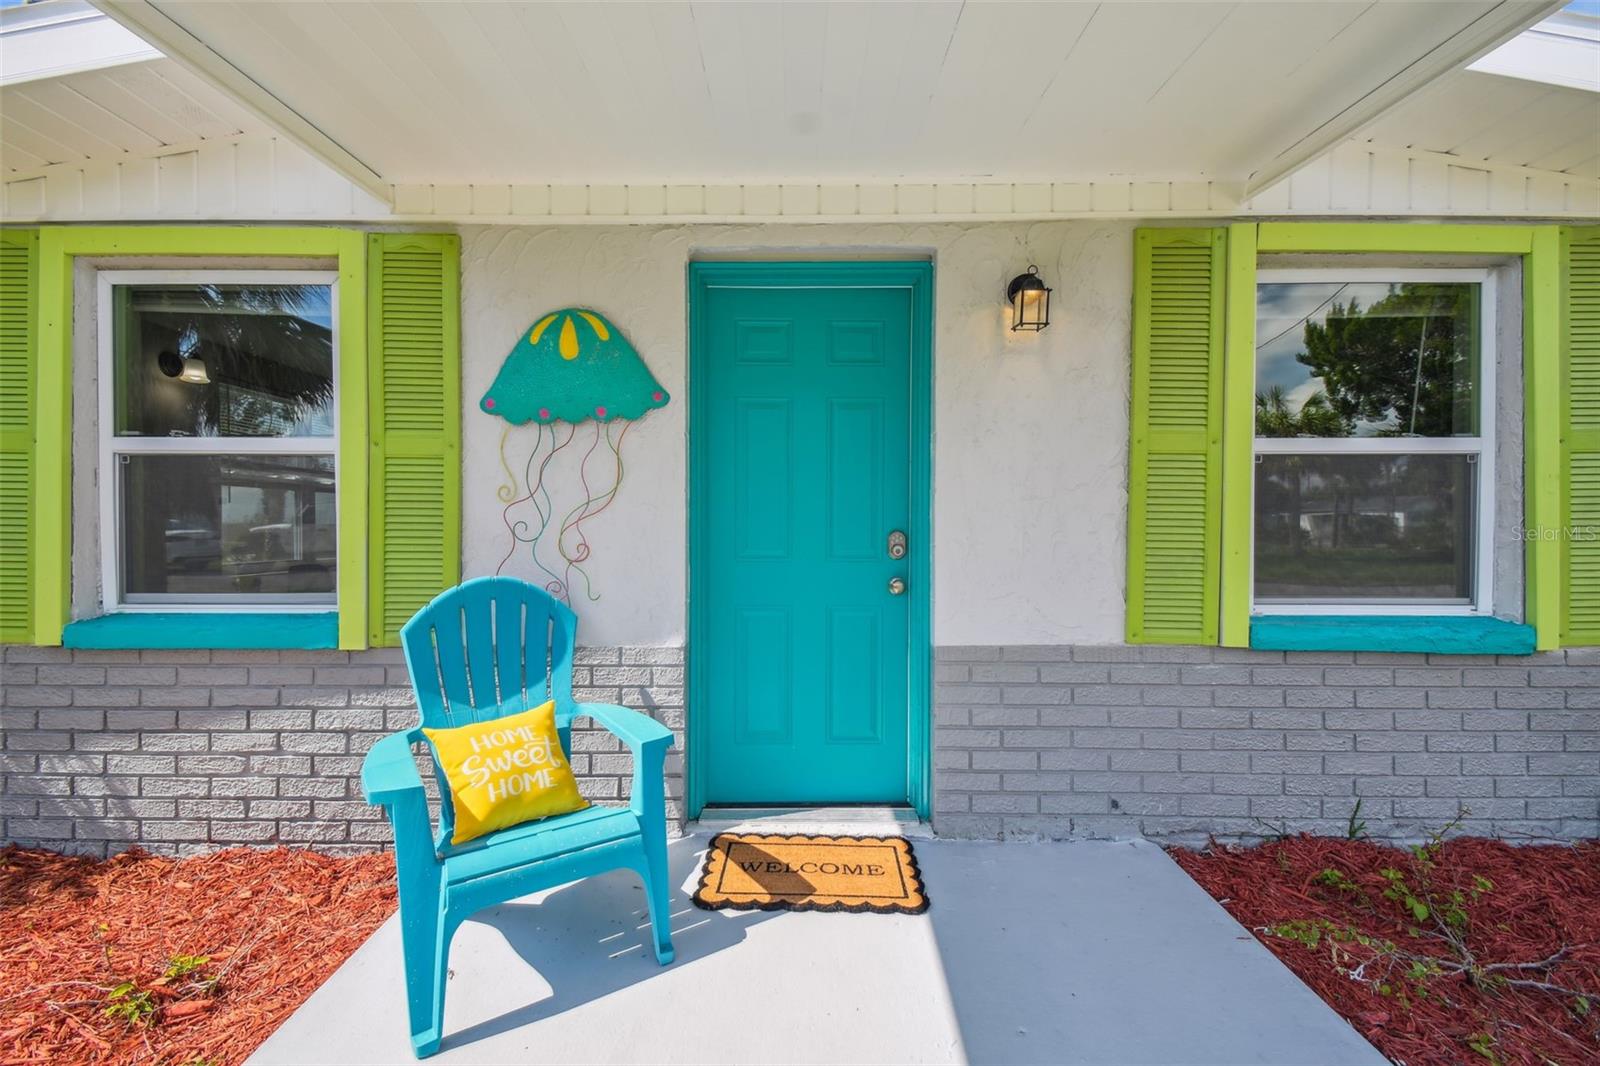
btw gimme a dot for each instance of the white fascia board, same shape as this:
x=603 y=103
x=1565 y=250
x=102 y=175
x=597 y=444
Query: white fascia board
x=175 y=41
x=1563 y=50
x=1488 y=31
x=39 y=41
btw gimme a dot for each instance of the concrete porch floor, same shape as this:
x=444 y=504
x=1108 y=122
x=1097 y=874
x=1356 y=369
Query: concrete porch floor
x=1080 y=952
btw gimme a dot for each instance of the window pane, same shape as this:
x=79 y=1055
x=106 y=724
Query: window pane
x=1366 y=359
x=254 y=526
x=223 y=361
x=1371 y=528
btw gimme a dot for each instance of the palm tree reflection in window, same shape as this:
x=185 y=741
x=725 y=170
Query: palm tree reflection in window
x=268 y=354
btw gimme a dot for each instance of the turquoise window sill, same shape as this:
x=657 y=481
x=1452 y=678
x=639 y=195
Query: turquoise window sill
x=229 y=631
x=1443 y=635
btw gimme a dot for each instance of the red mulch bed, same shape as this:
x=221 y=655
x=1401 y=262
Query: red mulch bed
x=271 y=926
x=1543 y=900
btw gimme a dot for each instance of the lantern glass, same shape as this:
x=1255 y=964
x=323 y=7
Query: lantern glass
x=1030 y=302
x=194 y=371
x=1033 y=308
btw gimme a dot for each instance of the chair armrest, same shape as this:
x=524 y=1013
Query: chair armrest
x=636 y=730
x=649 y=740
x=390 y=771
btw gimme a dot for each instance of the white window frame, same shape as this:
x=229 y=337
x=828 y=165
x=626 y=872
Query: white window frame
x=111 y=447
x=1481 y=446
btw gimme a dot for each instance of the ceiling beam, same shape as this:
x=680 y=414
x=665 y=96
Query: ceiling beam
x=164 y=32
x=1479 y=37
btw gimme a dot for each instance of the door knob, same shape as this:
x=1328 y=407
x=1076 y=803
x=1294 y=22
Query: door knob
x=897 y=586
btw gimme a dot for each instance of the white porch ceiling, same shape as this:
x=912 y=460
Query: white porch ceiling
x=76 y=88
x=1533 y=102
x=630 y=93
x=1486 y=118
x=127 y=111
x=50 y=40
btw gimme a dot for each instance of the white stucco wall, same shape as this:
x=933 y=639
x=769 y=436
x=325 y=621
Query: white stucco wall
x=1031 y=431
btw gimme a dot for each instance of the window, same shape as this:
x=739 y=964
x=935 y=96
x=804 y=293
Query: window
x=218 y=436
x=1374 y=442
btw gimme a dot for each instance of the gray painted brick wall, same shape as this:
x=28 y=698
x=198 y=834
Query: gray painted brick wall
x=1179 y=743
x=181 y=751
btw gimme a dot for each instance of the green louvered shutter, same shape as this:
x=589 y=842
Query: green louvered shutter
x=1175 y=458
x=1581 y=435
x=414 y=345
x=18 y=298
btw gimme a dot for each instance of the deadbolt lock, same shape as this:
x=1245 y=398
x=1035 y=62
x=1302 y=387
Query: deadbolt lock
x=897 y=545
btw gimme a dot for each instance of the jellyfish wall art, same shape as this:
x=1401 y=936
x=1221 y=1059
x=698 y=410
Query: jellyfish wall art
x=570 y=368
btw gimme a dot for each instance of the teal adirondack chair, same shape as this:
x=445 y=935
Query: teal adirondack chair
x=487 y=648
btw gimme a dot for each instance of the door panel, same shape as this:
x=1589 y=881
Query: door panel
x=855 y=675
x=807 y=472
x=762 y=457
x=763 y=701
x=855 y=479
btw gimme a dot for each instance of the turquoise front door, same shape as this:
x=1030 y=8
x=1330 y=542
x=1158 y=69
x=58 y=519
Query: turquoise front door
x=803 y=495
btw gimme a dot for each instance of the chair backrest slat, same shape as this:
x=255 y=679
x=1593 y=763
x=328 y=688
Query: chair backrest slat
x=511 y=651
x=477 y=608
x=490 y=647
x=561 y=641
x=451 y=649
x=422 y=660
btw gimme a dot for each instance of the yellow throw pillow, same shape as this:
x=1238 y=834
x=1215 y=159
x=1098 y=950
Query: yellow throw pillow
x=505 y=772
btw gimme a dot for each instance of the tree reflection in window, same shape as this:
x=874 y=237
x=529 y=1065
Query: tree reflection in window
x=1401 y=366
x=1368 y=487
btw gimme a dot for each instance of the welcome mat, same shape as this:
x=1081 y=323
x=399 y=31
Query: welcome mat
x=749 y=871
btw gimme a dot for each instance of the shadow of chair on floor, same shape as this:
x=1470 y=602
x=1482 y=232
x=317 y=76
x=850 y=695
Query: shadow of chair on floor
x=592 y=938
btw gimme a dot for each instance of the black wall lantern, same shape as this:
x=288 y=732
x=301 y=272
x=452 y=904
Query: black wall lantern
x=1030 y=301
x=185 y=368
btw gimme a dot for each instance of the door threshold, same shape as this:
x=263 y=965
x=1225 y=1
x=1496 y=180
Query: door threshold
x=822 y=821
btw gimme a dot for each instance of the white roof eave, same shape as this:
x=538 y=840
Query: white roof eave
x=1562 y=50
x=149 y=22
x=39 y=41
x=338 y=139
